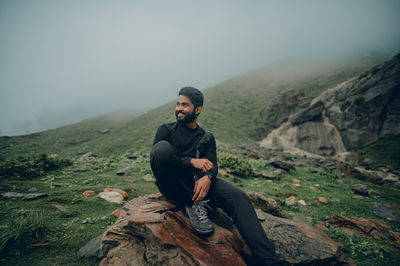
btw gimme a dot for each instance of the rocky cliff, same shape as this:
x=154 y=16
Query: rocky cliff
x=349 y=116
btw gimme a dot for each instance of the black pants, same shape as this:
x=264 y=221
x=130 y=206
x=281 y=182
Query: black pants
x=177 y=184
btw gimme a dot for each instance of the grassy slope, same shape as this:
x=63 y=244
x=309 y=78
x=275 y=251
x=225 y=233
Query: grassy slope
x=231 y=112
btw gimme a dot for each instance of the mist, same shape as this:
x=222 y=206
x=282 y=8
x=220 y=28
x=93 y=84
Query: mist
x=64 y=61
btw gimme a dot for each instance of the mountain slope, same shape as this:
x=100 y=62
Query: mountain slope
x=233 y=112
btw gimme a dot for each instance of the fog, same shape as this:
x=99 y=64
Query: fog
x=64 y=61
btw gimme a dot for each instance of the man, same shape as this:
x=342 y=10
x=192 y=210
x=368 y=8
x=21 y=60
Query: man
x=184 y=162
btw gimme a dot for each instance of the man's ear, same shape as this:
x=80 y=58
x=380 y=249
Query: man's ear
x=198 y=110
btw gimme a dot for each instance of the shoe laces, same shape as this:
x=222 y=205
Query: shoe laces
x=201 y=210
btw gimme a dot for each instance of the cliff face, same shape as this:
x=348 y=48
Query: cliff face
x=352 y=115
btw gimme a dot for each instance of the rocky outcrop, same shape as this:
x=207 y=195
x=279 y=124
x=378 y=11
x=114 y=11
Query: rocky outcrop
x=350 y=116
x=150 y=231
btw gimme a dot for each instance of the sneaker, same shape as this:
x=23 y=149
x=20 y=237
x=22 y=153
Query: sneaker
x=197 y=213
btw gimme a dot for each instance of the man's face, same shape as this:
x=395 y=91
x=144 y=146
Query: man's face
x=184 y=110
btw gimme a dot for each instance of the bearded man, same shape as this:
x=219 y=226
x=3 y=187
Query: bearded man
x=184 y=161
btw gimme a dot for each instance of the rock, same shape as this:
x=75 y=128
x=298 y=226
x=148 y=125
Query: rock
x=61 y=208
x=388 y=211
x=130 y=156
x=312 y=113
x=12 y=195
x=125 y=170
x=361 y=189
x=360 y=225
x=266 y=204
x=88 y=193
x=87 y=156
x=323 y=200
x=116 y=213
x=149 y=232
x=350 y=171
x=302 y=206
x=92 y=248
x=296 y=185
x=295 y=180
x=105 y=131
x=120 y=191
x=85 y=182
x=337 y=200
x=148 y=178
x=282 y=165
x=358 y=197
x=33 y=196
x=291 y=201
x=270 y=176
x=32 y=189
x=111 y=196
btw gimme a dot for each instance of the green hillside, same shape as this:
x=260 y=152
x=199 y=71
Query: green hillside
x=232 y=112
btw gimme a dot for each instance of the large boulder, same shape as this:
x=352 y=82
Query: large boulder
x=150 y=231
x=349 y=116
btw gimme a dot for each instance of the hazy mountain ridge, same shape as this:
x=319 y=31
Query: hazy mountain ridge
x=232 y=112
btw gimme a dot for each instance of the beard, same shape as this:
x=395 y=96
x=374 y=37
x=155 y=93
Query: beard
x=188 y=117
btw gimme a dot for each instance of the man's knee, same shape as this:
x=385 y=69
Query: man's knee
x=162 y=151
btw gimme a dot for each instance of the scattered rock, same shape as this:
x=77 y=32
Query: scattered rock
x=116 y=213
x=91 y=249
x=88 y=193
x=125 y=170
x=85 y=182
x=111 y=196
x=350 y=171
x=130 y=156
x=388 y=211
x=278 y=171
x=360 y=225
x=363 y=190
x=87 y=156
x=61 y=208
x=281 y=165
x=266 y=204
x=291 y=201
x=296 y=185
x=32 y=189
x=105 y=131
x=120 y=191
x=148 y=231
x=34 y=196
x=323 y=200
x=148 y=178
x=270 y=176
x=295 y=180
x=12 y=195
x=358 y=197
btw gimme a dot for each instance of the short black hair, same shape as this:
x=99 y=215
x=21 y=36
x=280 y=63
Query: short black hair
x=195 y=95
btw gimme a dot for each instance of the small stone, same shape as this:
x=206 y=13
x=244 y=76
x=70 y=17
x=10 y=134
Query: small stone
x=296 y=185
x=130 y=156
x=270 y=176
x=33 y=196
x=32 y=189
x=358 y=197
x=88 y=193
x=120 y=191
x=116 y=212
x=87 y=156
x=85 y=182
x=125 y=170
x=111 y=196
x=61 y=208
x=291 y=201
x=302 y=202
x=295 y=180
x=13 y=195
x=105 y=131
x=148 y=178
x=323 y=200
x=361 y=189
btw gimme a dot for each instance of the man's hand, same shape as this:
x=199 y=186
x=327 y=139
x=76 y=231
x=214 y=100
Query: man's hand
x=201 y=188
x=202 y=164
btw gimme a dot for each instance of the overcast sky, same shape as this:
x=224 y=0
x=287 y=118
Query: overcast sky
x=64 y=61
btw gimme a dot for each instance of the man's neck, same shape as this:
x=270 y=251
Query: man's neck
x=192 y=125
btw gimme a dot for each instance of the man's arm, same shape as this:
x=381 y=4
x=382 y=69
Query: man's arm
x=161 y=134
